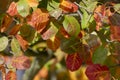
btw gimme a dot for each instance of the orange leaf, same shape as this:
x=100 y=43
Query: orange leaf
x=114 y=21
x=53 y=44
x=21 y=62
x=12 y=10
x=73 y=61
x=97 y=72
x=15 y=29
x=99 y=14
x=23 y=43
x=64 y=33
x=33 y=3
x=39 y=19
x=7 y=20
x=68 y=6
x=11 y=76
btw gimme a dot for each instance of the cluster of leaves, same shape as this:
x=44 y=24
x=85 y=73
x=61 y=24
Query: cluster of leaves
x=87 y=31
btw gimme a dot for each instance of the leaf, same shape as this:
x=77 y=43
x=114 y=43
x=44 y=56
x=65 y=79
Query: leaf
x=11 y=76
x=39 y=20
x=12 y=10
x=3 y=43
x=71 y=25
x=53 y=5
x=100 y=55
x=7 y=20
x=93 y=42
x=15 y=47
x=56 y=13
x=33 y=3
x=73 y=61
x=23 y=8
x=68 y=6
x=85 y=19
x=15 y=29
x=53 y=43
x=97 y=72
x=117 y=8
x=99 y=15
x=21 y=62
x=51 y=32
x=70 y=45
x=23 y=43
x=27 y=32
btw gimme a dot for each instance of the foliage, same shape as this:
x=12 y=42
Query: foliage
x=43 y=32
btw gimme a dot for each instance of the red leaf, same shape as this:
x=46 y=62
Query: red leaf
x=39 y=19
x=97 y=72
x=21 y=62
x=11 y=76
x=73 y=61
x=12 y=10
x=15 y=29
x=64 y=33
x=68 y=6
x=23 y=43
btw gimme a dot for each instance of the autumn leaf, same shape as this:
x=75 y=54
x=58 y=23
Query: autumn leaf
x=23 y=43
x=12 y=10
x=64 y=33
x=68 y=6
x=99 y=15
x=15 y=29
x=97 y=72
x=33 y=3
x=51 y=32
x=73 y=61
x=38 y=19
x=53 y=43
x=115 y=26
x=11 y=75
x=7 y=20
x=21 y=62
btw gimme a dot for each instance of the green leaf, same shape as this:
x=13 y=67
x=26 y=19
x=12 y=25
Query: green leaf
x=117 y=8
x=52 y=4
x=100 y=55
x=71 y=25
x=56 y=13
x=15 y=47
x=86 y=20
x=23 y=8
x=27 y=32
x=3 y=43
x=70 y=45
